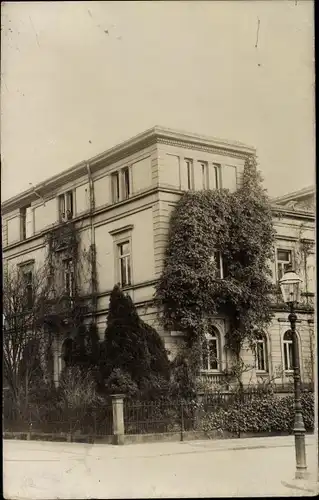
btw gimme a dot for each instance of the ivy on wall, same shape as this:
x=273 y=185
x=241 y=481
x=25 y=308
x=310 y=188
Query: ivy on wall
x=239 y=225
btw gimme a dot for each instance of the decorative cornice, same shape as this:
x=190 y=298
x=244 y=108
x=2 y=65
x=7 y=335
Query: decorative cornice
x=127 y=148
x=231 y=152
x=294 y=196
x=279 y=210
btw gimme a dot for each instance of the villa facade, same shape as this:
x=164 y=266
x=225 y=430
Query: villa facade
x=120 y=202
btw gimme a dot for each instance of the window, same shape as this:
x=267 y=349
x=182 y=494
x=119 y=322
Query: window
x=287 y=347
x=284 y=260
x=261 y=354
x=23 y=223
x=126 y=183
x=68 y=276
x=189 y=168
x=115 y=187
x=27 y=284
x=66 y=206
x=121 y=185
x=217 y=258
x=210 y=350
x=204 y=172
x=217 y=175
x=124 y=256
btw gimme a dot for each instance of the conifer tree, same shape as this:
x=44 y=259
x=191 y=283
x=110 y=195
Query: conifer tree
x=131 y=345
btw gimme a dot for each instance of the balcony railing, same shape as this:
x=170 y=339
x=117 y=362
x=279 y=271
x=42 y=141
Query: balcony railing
x=210 y=380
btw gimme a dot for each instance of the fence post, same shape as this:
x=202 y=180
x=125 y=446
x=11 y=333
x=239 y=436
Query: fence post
x=118 y=418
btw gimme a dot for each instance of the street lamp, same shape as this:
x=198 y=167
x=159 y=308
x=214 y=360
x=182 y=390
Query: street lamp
x=290 y=289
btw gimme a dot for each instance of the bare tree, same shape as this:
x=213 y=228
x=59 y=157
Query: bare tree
x=24 y=291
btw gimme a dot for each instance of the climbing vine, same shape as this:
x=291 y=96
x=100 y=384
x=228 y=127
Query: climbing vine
x=237 y=225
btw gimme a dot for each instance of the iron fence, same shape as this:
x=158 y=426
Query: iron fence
x=141 y=417
x=93 y=421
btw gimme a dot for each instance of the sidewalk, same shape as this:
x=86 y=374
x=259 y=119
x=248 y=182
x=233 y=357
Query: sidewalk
x=224 y=468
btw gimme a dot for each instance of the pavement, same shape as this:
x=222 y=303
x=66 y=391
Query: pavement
x=214 y=468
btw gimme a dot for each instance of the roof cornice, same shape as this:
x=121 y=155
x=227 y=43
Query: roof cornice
x=295 y=214
x=151 y=136
x=301 y=193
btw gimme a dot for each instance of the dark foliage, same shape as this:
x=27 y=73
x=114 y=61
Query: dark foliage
x=130 y=345
x=239 y=226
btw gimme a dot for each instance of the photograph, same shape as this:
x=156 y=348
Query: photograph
x=158 y=216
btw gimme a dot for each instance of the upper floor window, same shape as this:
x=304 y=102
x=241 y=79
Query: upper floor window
x=287 y=348
x=68 y=277
x=284 y=261
x=261 y=354
x=217 y=258
x=217 y=175
x=124 y=259
x=189 y=172
x=66 y=206
x=126 y=183
x=23 y=222
x=115 y=180
x=121 y=185
x=210 y=351
x=204 y=173
x=27 y=271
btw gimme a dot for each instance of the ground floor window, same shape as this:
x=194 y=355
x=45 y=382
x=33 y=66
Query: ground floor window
x=210 y=351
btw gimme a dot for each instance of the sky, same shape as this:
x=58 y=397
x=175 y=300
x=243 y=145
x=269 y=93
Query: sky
x=80 y=77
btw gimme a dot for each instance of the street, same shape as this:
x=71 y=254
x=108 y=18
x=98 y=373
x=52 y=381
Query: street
x=237 y=467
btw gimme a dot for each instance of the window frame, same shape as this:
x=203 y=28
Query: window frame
x=217 y=175
x=23 y=222
x=126 y=183
x=288 y=352
x=262 y=341
x=27 y=268
x=280 y=264
x=190 y=173
x=220 y=269
x=214 y=336
x=204 y=172
x=68 y=270
x=127 y=258
x=66 y=205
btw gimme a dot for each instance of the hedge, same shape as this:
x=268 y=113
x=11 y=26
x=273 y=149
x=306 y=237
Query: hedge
x=267 y=414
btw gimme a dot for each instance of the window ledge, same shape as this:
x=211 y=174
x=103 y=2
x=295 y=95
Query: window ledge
x=262 y=373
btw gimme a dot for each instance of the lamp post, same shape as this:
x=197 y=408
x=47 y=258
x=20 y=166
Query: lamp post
x=290 y=289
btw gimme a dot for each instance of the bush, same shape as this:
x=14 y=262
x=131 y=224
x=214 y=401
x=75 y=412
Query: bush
x=260 y=414
x=77 y=389
x=120 y=382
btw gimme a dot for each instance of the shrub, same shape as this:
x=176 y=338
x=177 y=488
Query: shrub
x=260 y=414
x=120 y=382
x=77 y=389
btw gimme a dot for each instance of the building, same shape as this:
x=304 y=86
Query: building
x=119 y=203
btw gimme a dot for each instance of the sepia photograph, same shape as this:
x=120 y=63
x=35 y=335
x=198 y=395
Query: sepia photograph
x=158 y=201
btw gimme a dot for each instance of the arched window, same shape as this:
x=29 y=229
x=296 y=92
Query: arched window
x=287 y=347
x=261 y=354
x=210 y=351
